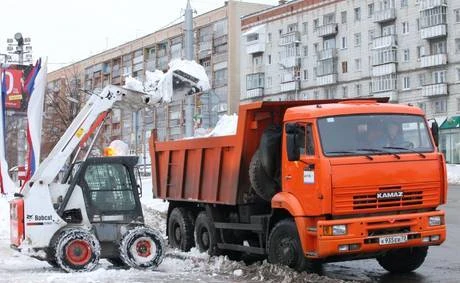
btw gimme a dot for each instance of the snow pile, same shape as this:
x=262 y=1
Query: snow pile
x=120 y=148
x=453 y=174
x=226 y=126
x=159 y=86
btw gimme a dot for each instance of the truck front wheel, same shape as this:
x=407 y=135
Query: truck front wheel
x=403 y=260
x=205 y=234
x=284 y=248
x=180 y=229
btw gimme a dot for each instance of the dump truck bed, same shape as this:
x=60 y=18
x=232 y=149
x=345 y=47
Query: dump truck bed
x=215 y=169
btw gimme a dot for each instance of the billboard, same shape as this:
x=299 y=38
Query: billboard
x=16 y=96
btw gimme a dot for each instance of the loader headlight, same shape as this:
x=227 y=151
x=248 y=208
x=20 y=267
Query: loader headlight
x=335 y=230
x=435 y=220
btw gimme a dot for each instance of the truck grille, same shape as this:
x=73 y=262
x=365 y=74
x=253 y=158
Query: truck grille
x=364 y=199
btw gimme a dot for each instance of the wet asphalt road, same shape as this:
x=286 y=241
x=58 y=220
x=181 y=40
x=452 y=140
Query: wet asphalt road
x=441 y=265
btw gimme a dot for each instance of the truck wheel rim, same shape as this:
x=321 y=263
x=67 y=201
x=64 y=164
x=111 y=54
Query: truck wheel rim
x=204 y=236
x=78 y=252
x=286 y=251
x=143 y=248
x=177 y=233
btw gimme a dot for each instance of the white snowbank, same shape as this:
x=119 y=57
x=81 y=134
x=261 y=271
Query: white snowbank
x=159 y=86
x=226 y=126
x=453 y=174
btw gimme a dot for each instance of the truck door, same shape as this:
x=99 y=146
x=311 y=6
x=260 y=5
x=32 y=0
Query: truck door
x=301 y=178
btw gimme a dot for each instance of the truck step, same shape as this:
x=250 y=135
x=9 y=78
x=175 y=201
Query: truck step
x=241 y=248
x=239 y=226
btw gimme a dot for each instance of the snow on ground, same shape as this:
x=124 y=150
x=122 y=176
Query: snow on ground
x=176 y=267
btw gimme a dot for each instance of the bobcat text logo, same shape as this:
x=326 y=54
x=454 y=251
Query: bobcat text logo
x=390 y=195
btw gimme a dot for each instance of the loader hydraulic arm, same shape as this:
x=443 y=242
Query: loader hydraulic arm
x=81 y=128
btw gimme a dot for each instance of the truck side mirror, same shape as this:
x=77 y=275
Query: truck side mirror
x=435 y=132
x=293 y=150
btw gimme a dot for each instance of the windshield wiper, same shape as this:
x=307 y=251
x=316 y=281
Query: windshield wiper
x=348 y=152
x=380 y=150
x=405 y=148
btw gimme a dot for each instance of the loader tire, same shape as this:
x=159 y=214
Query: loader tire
x=142 y=248
x=180 y=229
x=77 y=250
x=403 y=260
x=264 y=185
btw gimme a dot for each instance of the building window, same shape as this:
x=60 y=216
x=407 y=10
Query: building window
x=344 y=67
x=370 y=8
x=269 y=82
x=406 y=82
x=439 y=77
x=269 y=37
x=280 y=31
x=357 y=14
x=418 y=23
x=422 y=105
x=316 y=24
x=421 y=79
x=419 y=51
x=357 y=39
x=405 y=27
x=439 y=106
x=371 y=34
x=406 y=55
x=343 y=42
x=305 y=51
x=316 y=94
x=343 y=16
x=329 y=19
x=345 y=91
x=305 y=75
x=457 y=45
x=257 y=61
x=269 y=59
x=404 y=4
x=458 y=74
x=220 y=77
x=457 y=15
x=315 y=46
x=358 y=64
x=254 y=81
x=358 y=89
x=305 y=28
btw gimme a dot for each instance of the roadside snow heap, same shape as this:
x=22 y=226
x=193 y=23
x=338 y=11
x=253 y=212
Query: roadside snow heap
x=159 y=86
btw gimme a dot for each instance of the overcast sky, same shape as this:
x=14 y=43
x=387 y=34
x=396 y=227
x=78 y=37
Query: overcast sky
x=67 y=31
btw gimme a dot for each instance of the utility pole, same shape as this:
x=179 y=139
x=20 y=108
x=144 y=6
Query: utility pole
x=188 y=31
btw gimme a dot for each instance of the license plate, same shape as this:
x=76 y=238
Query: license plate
x=393 y=240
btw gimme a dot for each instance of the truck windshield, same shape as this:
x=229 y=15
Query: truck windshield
x=374 y=134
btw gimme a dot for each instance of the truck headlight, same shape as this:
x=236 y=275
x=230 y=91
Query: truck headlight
x=435 y=220
x=335 y=230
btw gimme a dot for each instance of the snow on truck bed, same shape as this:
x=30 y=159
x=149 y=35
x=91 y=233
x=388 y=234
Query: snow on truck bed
x=176 y=267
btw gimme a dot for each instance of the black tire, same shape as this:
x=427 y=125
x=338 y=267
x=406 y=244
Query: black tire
x=77 y=250
x=142 y=248
x=51 y=254
x=264 y=185
x=205 y=234
x=284 y=248
x=270 y=151
x=180 y=229
x=403 y=260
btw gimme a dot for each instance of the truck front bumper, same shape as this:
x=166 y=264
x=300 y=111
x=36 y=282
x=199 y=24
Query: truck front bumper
x=378 y=233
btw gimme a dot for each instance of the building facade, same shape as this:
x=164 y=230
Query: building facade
x=407 y=50
x=217 y=43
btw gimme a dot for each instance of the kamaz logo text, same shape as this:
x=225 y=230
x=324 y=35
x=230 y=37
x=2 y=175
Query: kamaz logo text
x=389 y=195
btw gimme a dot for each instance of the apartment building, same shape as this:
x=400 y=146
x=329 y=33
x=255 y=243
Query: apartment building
x=217 y=42
x=407 y=50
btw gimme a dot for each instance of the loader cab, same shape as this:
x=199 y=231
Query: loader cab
x=110 y=188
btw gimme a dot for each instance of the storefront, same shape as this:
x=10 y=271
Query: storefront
x=449 y=139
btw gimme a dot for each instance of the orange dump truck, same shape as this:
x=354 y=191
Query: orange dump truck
x=306 y=182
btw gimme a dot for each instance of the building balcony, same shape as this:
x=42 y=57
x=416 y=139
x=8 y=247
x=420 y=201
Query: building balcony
x=256 y=94
x=384 y=41
x=255 y=46
x=385 y=69
x=290 y=62
x=429 y=4
x=327 y=30
x=326 y=80
x=433 y=31
x=392 y=94
x=327 y=54
x=385 y=15
x=434 y=90
x=433 y=60
x=289 y=86
x=290 y=38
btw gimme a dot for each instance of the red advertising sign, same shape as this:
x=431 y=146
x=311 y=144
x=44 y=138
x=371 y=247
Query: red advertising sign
x=14 y=80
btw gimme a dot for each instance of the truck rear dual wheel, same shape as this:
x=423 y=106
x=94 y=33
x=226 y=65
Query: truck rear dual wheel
x=142 y=248
x=403 y=260
x=205 y=234
x=77 y=250
x=284 y=248
x=180 y=229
